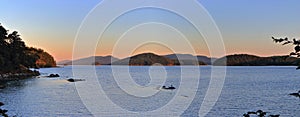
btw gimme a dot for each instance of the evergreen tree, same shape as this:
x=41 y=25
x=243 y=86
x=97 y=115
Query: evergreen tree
x=14 y=56
x=295 y=42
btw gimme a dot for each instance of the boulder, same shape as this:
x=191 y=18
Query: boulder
x=2 y=86
x=74 y=80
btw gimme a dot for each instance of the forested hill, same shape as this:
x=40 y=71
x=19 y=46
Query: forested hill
x=252 y=60
x=44 y=58
x=16 y=57
x=146 y=59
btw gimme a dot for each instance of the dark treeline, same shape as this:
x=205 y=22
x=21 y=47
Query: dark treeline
x=286 y=41
x=146 y=59
x=45 y=59
x=15 y=56
x=252 y=60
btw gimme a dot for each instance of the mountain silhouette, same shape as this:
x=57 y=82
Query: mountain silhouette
x=146 y=59
x=252 y=60
x=185 y=57
x=93 y=60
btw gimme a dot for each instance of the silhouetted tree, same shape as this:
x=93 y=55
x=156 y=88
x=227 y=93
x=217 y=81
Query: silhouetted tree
x=13 y=53
x=295 y=42
x=15 y=56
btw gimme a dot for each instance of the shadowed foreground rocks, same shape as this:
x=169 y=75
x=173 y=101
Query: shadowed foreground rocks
x=3 y=111
x=18 y=75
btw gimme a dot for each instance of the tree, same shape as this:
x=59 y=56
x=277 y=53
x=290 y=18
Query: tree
x=13 y=52
x=16 y=57
x=44 y=58
x=3 y=45
x=17 y=47
x=286 y=41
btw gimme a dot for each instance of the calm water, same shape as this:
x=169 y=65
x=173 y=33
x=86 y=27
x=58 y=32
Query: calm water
x=245 y=89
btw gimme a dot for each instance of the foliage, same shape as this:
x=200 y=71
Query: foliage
x=44 y=58
x=286 y=41
x=147 y=59
x=14 y=55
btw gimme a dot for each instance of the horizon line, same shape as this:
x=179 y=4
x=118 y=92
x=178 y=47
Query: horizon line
x=169 y=54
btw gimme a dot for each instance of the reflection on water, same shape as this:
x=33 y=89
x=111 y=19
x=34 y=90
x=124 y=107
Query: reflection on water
x=246 y=89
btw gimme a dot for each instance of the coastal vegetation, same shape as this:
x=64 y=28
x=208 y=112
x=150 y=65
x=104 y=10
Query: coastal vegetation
x=146 y=59
x=93 y=60
x=286 y=41
x=252 y=60
x=44 y=59
x=16 y=58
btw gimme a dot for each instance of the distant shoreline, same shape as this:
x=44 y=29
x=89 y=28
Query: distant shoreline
x=148 y=59
x=184 y=65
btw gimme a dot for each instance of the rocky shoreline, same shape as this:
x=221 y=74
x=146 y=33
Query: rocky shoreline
x=12 y=76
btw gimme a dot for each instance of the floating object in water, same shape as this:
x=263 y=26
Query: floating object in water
x=53 y=75
x=168 y=88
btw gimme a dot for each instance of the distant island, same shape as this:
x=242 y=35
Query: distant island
x=16 y=58
x=252 y=60
x=146 y=59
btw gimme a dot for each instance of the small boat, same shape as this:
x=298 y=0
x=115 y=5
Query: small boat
x=53 y=75
x=168 y=88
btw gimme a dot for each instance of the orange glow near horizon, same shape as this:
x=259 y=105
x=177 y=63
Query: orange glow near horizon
x=63 y=51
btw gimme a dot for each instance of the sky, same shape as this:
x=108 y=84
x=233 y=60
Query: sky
x=246 y=27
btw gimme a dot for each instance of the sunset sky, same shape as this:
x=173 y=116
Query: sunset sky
x=246 y=26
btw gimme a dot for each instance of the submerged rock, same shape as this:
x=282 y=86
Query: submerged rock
x=74 y=80
x=71 y=80
x=295 y=94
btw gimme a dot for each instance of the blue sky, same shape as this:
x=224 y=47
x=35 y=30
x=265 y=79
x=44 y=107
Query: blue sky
x=246 y=25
